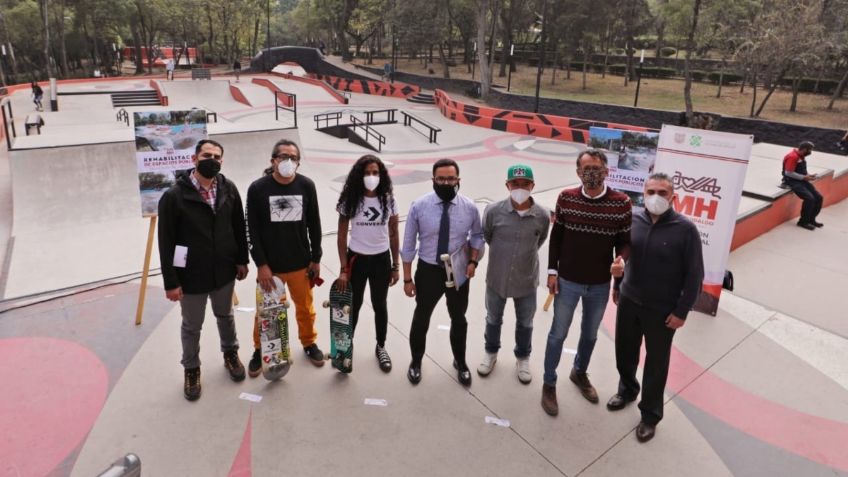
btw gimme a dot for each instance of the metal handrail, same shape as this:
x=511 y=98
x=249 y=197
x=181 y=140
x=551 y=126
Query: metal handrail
x=327 y=117
x=8 y=121
x=356 y=122
x=277 y=107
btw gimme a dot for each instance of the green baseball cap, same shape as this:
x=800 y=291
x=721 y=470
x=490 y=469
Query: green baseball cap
x=519 y=171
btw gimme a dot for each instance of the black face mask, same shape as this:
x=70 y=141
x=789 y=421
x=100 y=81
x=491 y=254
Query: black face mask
x=208 y=168
x=446 y=192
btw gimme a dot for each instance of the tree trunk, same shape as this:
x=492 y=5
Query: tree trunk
x=254 y=45
x=796 y=85
x=62 y=47
x=444 y=60
x=485 y=84
x=690 y=45
x=754 y=87
x=720 y=81
x=554 y=67
x=42 y=6
x=838 y=93
x=773 y=87
x=585 y=61
x=606 y=51
x=139 y=68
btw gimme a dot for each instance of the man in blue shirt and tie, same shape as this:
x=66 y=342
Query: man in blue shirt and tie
x=440 y=222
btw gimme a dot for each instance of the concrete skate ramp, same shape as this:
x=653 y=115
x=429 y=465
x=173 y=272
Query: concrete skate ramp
x=77 y=211
x=212 y=95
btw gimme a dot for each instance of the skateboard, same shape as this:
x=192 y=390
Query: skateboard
x=341 y=329
x=446 y=259
x=273 y=323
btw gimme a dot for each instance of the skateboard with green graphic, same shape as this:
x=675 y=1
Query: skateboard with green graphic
x=273 y=322
x=341 y=329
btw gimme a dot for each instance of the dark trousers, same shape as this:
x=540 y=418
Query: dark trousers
x=430 y=286
x=376 y=270
x=812 y=199
x=632 y=322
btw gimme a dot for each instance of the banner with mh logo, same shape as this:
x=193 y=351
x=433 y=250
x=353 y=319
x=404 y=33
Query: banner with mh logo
x=708 y=169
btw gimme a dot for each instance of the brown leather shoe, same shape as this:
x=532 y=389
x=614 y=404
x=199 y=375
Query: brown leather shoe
x=645 y=431
x=581 y=380
x=618 y=402
x=549 y=400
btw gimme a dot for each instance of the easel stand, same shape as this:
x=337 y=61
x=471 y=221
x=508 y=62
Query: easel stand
x=145 y=271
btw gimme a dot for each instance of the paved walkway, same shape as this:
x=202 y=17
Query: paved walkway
x=758 y=390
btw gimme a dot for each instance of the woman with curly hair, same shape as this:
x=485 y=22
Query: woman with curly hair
x=367 y=207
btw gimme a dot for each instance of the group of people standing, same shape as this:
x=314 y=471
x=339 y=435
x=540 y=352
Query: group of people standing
x=652 y=258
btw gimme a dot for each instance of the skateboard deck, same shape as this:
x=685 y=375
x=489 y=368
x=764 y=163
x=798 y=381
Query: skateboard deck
x=273 y=322
x=341 y=329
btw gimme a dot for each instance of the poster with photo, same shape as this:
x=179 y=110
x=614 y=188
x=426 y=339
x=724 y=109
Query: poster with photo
x=164 y=144
x=631 y=156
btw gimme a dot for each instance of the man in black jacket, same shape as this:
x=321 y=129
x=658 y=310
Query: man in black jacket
x=662 y=280
x=203 y=249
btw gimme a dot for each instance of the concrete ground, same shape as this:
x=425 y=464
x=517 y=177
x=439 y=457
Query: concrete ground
x=759 y=390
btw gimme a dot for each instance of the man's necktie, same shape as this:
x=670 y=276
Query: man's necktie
x=444 y=232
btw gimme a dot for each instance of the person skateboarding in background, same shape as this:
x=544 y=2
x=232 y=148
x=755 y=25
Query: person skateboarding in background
x=367 y=207
x=203 y=250
x=284 y=233
x=37 y=94
x=795 y=177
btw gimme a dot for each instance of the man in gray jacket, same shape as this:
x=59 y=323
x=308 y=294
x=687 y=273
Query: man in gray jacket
x=515 y=229
x=662 y=280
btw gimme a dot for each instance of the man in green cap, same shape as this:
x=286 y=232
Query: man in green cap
x=515 y=228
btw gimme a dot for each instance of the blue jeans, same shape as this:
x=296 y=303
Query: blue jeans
x=595 y=299
x=525 y=308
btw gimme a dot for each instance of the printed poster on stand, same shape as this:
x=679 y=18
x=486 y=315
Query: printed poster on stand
x=164 y=144
x=708 y=170
x=630 y=156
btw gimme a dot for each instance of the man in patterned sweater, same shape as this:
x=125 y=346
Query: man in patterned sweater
x=591 y=222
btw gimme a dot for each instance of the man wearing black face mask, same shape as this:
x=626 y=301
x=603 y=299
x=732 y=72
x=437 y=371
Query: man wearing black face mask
x=203 y=249
x=591 y=223
x=440 y=222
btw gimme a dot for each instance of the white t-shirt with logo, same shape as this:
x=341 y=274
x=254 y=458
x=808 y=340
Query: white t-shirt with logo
x=369 y=228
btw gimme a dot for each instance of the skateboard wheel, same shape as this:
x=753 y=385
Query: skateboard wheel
x=346 y=309
x=326 y=304
x=444 y=257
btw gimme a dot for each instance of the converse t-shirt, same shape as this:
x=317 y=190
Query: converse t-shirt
x=369 y=227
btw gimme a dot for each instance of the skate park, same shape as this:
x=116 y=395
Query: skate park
x=759 y=389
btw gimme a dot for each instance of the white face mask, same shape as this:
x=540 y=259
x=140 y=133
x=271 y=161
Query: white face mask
x=371 y=182
x=656 y=205
x=286 y=168
x=520 y=196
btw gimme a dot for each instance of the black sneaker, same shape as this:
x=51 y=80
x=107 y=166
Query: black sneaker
x=383 y=359
x=314 y=354
x=254 y=368
x=191 y=388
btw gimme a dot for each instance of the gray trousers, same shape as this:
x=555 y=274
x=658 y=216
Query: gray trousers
x=194 y=311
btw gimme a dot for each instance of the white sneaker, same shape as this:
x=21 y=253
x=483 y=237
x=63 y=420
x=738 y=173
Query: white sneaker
x=488 y=364
x=523 y=370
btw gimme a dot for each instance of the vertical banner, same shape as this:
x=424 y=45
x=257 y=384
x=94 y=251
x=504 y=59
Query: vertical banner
x=631 y=156
x=164 y=144
x=708 y=169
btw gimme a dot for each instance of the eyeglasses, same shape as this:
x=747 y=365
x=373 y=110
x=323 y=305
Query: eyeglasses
x=446 y=180
x=286 y=157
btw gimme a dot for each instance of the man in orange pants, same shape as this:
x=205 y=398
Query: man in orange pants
x=284 y=233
